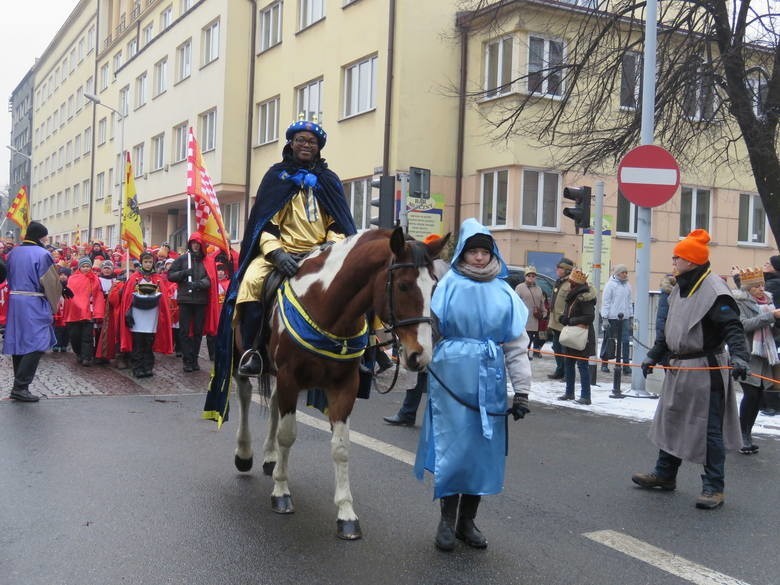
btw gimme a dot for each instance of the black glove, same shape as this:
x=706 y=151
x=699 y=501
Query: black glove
x=739 y=368
x=67 y=293
x=326 y=245
x=563 y=319
x=647 y=367
x=283 y=261
x=520 y=405
x=129 y=321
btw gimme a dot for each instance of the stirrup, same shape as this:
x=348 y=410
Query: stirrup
x=246 y=357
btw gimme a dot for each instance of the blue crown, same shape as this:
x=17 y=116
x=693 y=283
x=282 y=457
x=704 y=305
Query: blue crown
x=307 y=126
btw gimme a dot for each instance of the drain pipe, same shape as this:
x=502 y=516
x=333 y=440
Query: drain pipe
x=464 y=39
x=389 y=89
x=251 y=116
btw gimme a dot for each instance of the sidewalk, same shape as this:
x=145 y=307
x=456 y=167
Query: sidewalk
x=546 y=391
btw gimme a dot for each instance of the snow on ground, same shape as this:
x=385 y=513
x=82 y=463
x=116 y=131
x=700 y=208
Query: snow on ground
x=546 y=391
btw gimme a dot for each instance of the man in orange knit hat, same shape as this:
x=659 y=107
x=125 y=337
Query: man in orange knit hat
x=696 y=418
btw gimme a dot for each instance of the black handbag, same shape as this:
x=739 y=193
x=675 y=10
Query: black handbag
x=608 y=349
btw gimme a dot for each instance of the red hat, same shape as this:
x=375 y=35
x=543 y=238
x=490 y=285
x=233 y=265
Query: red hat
x=430 y=238
x=694 y=247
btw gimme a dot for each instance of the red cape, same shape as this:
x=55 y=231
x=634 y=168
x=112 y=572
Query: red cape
x=108 y=342
x=87 y=302
x=163 y=339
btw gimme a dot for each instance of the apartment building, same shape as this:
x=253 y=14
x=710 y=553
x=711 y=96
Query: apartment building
x=21 y=107
x=391 y=83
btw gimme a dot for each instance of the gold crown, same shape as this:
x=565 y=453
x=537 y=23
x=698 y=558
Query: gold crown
x=578 y=276
x=751 y=276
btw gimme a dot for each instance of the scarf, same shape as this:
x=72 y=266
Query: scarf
x=489 y=272
x=763 y=341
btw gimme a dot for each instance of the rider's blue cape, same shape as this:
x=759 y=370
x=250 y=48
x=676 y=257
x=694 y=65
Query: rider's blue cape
x=278 y=186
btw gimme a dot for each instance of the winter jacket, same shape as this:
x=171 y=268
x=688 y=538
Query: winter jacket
x=560 y=290
x=580 y=309
x=616 y=299
x=195 y=290
x=752 y=319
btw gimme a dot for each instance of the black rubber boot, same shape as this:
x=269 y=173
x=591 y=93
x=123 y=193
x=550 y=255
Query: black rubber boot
x=466 y=530
x=445 y=534
x=251 y=319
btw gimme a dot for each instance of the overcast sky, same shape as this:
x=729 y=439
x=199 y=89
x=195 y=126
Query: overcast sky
x=26 y=29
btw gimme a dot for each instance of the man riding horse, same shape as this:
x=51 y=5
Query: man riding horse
x=300 y=205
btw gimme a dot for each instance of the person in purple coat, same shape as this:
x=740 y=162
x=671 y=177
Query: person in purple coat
x=29 y=331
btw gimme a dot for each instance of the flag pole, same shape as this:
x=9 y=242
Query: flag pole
x=125 y=166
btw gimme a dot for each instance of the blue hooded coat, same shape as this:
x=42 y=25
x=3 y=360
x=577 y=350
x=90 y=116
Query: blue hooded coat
x=465 y=447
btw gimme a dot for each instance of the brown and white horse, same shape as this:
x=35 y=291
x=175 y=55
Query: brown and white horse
x=375 y=270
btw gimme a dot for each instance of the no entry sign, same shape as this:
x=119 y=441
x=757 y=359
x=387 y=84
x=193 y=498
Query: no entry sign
x=648 y=176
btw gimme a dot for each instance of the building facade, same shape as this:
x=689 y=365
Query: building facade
x=391 y=82
x=21 y=107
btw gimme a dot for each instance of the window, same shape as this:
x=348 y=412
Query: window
x=180 y=142
x=86 y=192
x=76 y=195
x=112 y=126
x=759 y=90
x=498 y=67
x=309 y=12
x=117 y=61
x=359 y=87
x=102 y=126
x=140 y=90
x=268 y=121
x=160 y=76
x=77 y=147
x=103 y=76
x=699 y=92
x=185 y=5
x=270 y=26
x=545 y=66
x=210 y=42
x=230 y=218
x=694 y=210
x=630 y=80
x=132 y=48
x=72 y=60
x=166 y=18
x=124 y=100
x=68 y=152
x=91 y=38
x=540 y=199
x=111 y=235
x=81 y=48
x=752 y=219
x=627 y=217
x=310 y=100
x=88 y=140
x=158 y=152
x=147 y=34
x=79 y=98
x=207 y=129
x=494 y=194
x=100 y=186
x=358 y=195
x=138 y=159
x=184 y=60
x=66 y=200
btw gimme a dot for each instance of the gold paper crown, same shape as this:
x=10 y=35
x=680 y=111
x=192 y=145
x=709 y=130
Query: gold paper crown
x=578 y=276
x=751 y=276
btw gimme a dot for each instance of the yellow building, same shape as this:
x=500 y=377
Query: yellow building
x=389 y=81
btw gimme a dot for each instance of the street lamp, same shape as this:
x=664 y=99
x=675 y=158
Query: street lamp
x=96 y=100
x=19 y=152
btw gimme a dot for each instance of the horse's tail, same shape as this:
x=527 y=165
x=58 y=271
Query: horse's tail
x=265 y=386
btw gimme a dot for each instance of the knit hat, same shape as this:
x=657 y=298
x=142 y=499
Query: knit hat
x=85 y=261
x=566 y=264
x=306 y=126
x=107 y=264
x=430 y=238
x=577 y=276
x=694 y=247
x=530 y=270
x=36 y=231
x=479 y=241
x=619 y=268
x=64 y=270
x=750 y=277
x=775 y=262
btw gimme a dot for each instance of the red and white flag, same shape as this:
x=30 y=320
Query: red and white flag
x=207 y=213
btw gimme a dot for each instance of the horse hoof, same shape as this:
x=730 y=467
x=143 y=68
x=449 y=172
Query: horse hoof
x=243 y=464
x=268 y=467
x=348 y=529
x=282 y=504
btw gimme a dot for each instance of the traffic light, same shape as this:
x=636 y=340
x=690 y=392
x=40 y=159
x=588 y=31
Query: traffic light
x=385 y=201
x=580 y=213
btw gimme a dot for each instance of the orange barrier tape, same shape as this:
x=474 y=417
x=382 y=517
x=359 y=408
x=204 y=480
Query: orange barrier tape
x=659 y=366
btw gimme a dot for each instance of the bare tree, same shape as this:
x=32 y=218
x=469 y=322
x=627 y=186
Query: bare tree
x=717 y=86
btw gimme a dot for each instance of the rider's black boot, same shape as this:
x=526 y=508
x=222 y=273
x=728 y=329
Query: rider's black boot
x=251 y=320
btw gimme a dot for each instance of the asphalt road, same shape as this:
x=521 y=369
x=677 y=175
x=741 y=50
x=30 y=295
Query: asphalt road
x=134 y=488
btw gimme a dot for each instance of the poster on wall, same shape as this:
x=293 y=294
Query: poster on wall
x=606 y=250
x=425 y=216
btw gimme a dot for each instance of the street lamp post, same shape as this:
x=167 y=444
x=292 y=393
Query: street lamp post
x=96 y=100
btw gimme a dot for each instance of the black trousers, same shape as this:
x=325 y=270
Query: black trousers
x=61 y=333
x=81 y=338
x=142 y=356
x=191 y=318
x=25 y=366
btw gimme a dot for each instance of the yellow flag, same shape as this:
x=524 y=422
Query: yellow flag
x=132 y=224
x=19 y=212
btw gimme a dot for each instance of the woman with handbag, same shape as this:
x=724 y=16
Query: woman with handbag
x=538 y=310
x=578 y=337
x=758 y=315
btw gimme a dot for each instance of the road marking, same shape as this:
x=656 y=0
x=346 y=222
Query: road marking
x=661 y=559
x=355 y=437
